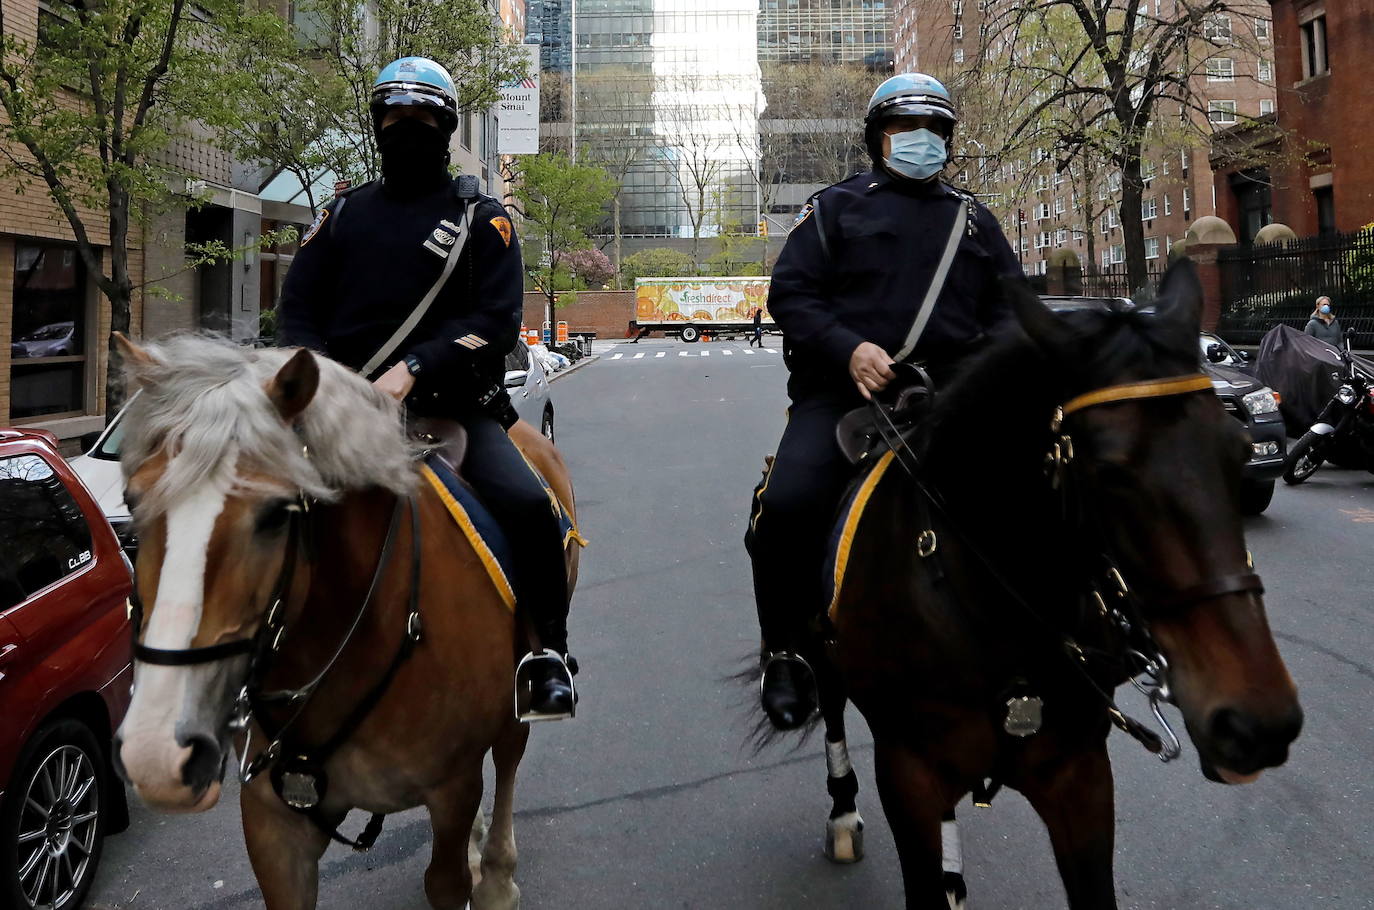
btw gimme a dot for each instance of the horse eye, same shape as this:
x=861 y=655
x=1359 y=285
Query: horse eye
x=274 y=517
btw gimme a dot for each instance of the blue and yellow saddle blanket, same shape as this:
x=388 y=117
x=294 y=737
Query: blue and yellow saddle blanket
x=479 y=526
x=847 y=526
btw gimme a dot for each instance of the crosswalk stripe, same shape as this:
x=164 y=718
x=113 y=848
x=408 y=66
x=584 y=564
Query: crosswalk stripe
x=661 y=354
x=617 y=356
x=705 y=353
x=746 y=351
x=639 y=356
x=770 y=350
x=727 y=352
x=684 y=353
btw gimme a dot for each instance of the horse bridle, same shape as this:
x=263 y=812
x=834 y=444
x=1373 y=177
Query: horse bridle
x=1123 y=607
x=252 y=701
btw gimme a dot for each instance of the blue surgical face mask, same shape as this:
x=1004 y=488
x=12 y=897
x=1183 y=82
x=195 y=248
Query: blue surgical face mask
x=918 y=154
x=1326 y=309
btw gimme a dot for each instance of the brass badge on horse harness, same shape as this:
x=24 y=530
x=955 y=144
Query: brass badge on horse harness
x=1024 y=715
x=300 y=783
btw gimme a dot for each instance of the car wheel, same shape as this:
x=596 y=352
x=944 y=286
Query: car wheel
x=546 y=425
x=1303 y=459
x=690 y=333
x=52 y=826
x=1255 y=496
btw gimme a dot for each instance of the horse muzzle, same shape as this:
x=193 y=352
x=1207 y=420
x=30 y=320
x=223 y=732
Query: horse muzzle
x=183 y=775
x=1237 y=745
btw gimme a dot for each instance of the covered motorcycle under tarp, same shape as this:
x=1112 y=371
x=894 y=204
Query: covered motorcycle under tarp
x=1305 y=372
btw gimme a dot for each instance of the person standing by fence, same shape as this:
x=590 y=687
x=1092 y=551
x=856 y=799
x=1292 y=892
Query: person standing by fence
x=1323 y=324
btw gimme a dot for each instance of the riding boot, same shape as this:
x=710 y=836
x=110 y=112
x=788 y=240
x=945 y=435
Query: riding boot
x=548 y=677
x=787 y=688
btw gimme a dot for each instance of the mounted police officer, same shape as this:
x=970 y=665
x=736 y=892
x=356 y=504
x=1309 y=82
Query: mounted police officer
x=419 y=242
x=889 y=265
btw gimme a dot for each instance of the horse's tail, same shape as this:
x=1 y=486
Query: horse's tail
x=761 y=733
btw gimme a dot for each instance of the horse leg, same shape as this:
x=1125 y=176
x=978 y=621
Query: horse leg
x=497 y=889
x=914 y=802
x=956 y=892
x=1074 y=798
x=452 y=808
x=284 y=848
x=844 y=830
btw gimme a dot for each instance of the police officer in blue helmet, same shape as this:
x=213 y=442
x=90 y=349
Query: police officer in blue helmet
x=891 y=265
x=416 y=281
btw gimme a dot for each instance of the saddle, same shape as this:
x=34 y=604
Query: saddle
x=860 y=433
x=441 y=438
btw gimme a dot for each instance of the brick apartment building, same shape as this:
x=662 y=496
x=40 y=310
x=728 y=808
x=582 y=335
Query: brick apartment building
x=1326 y=181
x=942 y=38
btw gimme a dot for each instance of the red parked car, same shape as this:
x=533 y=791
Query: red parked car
x=66 y=664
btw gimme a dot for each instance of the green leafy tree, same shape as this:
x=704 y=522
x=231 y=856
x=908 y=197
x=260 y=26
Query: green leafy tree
x=656 y=262
x=93 y=99
x=562 y=203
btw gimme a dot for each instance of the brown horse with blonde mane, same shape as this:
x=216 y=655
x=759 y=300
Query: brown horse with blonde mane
x=311 y=600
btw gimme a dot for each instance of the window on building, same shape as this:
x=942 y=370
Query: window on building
x=1168 y=206
x=1058 y=178
x=1042 y=211
x=1118 y=253
x=1266 y=106
x=958 y=55
x=1221 y=69
x=1266 y=71
x=1059 y=205
x=1114 y=181
x=1106 y=257
x=958 y=31
x=1147 y=169
x=465 y=134
x=1060 y=236
x=1151 y=247
x=1326 y=210
x=957 y=7
x=1187 y=203
x=1149 y=208
x=1042 y=240
x=1262 y=29
x=1042 y=182
x=48 y=338
x=46 y=535
x=1314 y=62
x=1184 y=158
x=1221 y=111
x=1217 y=28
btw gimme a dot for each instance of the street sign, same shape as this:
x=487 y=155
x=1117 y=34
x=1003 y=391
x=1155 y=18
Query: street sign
x=518 y=110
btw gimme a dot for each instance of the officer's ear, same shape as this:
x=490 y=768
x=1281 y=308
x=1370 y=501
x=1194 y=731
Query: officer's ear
x=1039 y=322
x=294 y=386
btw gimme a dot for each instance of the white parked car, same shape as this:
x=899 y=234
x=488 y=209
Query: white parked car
x=527 y=383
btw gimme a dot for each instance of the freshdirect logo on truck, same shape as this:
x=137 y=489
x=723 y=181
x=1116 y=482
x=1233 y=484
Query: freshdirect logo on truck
x=711 y=301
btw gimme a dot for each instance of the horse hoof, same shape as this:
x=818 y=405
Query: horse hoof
x=956 y=892
x=844 y=838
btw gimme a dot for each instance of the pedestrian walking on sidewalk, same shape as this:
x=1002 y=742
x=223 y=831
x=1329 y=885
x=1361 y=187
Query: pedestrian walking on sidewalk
x=758 y=328
x=1323 y=324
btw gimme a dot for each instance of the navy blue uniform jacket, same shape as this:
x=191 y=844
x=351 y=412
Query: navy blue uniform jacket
x=362 y=270
x=883 y=242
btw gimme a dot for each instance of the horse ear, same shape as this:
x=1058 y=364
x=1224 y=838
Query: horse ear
x=294 y=386
x=1039 y=322
x=1180 y=297
x=136 y=360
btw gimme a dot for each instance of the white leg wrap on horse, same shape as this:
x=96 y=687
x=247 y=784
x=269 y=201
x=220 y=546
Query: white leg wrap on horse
x=837 y=758
x=949 y=845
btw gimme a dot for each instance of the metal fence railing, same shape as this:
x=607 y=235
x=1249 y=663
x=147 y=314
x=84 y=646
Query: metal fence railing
x=1262 y=286
x=1112 y=280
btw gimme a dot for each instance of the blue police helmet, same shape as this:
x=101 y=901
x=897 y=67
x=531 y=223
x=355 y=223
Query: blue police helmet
x=910 y=95
x=419 y=82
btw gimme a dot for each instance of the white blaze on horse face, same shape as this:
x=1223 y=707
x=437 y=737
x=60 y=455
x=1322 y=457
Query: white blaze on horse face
x=165 y=696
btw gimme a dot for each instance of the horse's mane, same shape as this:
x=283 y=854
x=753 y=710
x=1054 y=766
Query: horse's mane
x=203 y=400
x=1109 y=344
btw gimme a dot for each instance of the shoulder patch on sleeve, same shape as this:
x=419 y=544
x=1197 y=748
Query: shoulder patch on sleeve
x=503 y=227
x=804 y=214
x=315 y=226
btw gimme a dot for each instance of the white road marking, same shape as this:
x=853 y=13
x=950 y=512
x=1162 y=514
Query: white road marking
x=638 y=356
x=617 y=356
x=685 y=354
x=747 y=351
x=727 y=352
x=770 y=350
x=705 y=353
x=660 y=354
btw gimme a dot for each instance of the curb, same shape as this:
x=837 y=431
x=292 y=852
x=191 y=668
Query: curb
x=585 y=361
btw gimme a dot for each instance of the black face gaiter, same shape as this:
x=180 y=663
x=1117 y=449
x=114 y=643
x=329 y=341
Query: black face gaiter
x=414 y=157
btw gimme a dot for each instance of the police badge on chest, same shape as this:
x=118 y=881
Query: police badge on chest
x=440 y=240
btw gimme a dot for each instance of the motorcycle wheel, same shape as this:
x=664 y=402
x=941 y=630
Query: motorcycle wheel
x=1303 y=459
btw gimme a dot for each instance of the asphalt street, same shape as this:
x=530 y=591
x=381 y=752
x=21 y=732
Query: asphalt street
x=651 y=797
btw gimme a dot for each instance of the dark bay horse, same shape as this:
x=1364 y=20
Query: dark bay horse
x=995 y=596
x=276 y=492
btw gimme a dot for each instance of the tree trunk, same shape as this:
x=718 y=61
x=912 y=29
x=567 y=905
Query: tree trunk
x=1132 y=228
x=120 y=295
x=615 y=208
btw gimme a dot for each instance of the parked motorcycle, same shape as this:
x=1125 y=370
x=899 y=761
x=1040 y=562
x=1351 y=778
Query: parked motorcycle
x=1346 y=423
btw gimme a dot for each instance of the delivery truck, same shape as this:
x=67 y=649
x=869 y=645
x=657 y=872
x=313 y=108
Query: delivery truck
x=692 y=307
